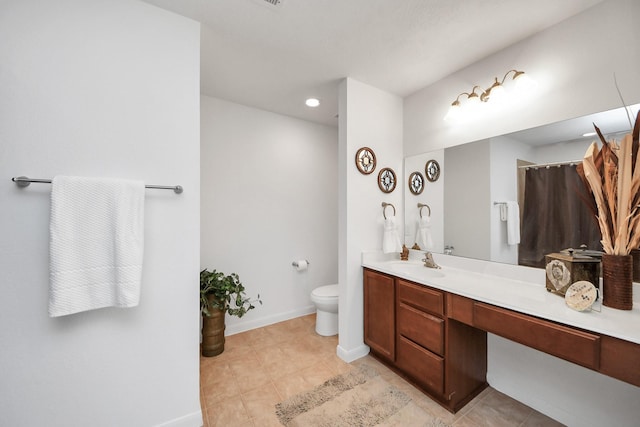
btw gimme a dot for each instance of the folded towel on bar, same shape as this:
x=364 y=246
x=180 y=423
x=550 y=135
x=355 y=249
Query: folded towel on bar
x=513 y=223
x=390 y=239
x=96 y=244
x=423 y=234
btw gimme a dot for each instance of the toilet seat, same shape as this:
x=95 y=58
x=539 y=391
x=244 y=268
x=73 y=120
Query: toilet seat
x=325 y=292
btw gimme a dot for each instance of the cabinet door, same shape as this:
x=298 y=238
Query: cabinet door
x=379 y=313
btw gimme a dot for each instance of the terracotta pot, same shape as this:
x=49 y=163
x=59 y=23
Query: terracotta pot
x=213 y=332
x=617 y=281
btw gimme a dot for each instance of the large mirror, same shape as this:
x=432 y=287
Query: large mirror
x=478 y=180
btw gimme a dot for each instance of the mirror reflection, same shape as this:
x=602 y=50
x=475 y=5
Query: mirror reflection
x=511 y=198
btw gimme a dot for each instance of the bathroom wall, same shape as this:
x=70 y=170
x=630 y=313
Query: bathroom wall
x=269 y=197
x=573 y=63
x=373 y=118
x=432 y=195
x=466 y=191
x=99 y=88
x=504 y=153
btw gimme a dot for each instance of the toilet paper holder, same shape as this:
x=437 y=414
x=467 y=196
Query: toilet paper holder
x=296 y=263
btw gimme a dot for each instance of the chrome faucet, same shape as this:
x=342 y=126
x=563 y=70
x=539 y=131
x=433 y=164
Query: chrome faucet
x=428 y=261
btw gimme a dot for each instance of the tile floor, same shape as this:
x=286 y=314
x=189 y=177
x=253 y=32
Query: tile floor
x=264 y=366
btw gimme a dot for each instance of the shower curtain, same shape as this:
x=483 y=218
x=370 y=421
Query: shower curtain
x=555 y=214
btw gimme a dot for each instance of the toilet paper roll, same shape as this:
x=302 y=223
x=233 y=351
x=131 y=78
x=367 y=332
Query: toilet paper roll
x=301 y=264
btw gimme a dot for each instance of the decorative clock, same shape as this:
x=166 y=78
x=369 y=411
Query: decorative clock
x=387 y=180
x=416 y=183
x=432 y=170
x=366 y=160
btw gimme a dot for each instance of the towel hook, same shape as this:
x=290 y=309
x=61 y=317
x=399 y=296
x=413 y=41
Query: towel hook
x=423 y=205
x=384 y=207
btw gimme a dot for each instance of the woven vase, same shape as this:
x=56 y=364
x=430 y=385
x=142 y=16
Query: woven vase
x=617 y=281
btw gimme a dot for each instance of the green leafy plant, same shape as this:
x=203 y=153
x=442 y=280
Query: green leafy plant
x=228 y=294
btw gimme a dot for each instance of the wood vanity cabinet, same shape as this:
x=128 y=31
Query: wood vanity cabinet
x=379 y=314
x=443 y=357
x=438 y=340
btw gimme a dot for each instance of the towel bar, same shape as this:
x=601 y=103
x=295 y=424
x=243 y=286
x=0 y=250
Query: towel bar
x=23 y=181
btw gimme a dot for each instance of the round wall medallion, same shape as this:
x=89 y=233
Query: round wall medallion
x=416 y=183
x=432 y=170
x=366 y=160
x=387 y=180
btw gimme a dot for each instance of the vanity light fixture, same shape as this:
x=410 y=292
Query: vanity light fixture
x=496 y=92
x=312 y=102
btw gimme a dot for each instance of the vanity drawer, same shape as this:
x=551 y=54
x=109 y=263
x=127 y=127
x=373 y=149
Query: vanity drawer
x=421 y=365
x=570 y=344
x=421 y=328
x=420 y=297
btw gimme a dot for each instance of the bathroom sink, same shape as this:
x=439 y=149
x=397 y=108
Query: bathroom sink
x=416 y=269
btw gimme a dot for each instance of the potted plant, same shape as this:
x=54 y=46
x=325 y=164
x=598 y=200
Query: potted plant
x=220 y=294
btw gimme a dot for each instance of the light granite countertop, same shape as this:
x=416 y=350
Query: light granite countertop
x=517 y=288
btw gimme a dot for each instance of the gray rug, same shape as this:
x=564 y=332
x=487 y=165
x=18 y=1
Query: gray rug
x=358 y=398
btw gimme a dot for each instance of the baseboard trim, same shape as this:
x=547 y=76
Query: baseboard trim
x=351 y=355
x=191 y=420
x=236 y=328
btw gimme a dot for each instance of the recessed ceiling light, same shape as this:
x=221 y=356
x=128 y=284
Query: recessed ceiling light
x=312 y=102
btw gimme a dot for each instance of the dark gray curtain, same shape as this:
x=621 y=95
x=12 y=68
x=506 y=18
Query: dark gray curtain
x=555 y=215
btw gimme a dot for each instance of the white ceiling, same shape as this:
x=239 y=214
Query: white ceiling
x=274 y=57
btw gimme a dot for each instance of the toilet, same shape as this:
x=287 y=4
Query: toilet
x=325 y=299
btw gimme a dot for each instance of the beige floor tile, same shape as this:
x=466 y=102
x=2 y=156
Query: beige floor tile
x=338 y=365
x=264 y=366
x=285 y=366
x=267 y=420
x=216 y=393
x=261 y=401
x=270 y=356
x=290 y=385
x=216 y=374
x=228 y=412
x=536 y=419
x=498 y=410
x=253 y=379
x=317 y=374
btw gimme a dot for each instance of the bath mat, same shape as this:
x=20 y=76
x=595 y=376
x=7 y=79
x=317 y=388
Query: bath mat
x=358 y=398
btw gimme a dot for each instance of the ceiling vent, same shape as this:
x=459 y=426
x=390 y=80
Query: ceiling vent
x=273 y=5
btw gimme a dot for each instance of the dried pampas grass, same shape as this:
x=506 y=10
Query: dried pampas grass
x=612 y=176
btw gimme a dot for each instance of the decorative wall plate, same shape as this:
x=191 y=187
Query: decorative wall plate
x=416 y=183
x=432 y=170
x=387 y=180
x=366 y=160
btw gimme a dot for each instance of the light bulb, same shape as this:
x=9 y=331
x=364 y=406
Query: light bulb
x=524 y=84
x=497 y=95
x=454 y=112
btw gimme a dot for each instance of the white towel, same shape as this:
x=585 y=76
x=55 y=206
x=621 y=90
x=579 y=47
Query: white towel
x=96 y=244
x=513 y=223
x=390 y=239
x=423 y=234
